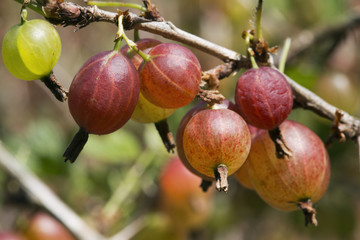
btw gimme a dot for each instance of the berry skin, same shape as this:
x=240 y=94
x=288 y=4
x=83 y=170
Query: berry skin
x=172 y=76
x=104 y=93
x=225 y=104
x=145 y=45
x=216 y=143
x=30 y=50
x=11 y=236
x=102 y=97
x=264 y=97
x=44 y=227
x=187 y=206
x=145 y=111
x=285 y=183
x=242 y=176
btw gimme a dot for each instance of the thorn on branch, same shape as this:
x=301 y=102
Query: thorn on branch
x=281 y=149
x=335 y=131
x=152 y=12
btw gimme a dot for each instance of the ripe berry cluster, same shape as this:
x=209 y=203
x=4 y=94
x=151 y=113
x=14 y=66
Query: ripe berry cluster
x=213 y=141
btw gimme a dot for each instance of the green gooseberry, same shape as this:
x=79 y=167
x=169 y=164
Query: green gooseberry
x=146 y=112
x=31 y=49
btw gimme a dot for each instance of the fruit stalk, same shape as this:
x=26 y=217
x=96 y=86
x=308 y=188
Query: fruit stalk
x=117 y=4
x=284 y=54
x=23 y=13
x=121 y=35
x=258 y=33
x=309 y=211
x=76 y=145
x=221 y=174
x=55 y=87
x=166 y=136
x=205 y=184
x=281 y=149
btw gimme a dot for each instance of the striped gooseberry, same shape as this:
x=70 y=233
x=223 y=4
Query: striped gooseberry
x=102 y=97
x=216 y=143
x=264 y=97
x=172 y=76
x=31 y=49
x=145 y=111
x=294 y=181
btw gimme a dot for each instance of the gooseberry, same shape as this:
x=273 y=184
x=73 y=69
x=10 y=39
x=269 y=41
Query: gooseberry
x=11 y=236
x=31 y=49
x=102 y=97
x=242 y=174
x=181 y=198
x=216 y=143
x=42 y=226
x=225 y=104
x=264 y=97
x=290 y=182
x=172 y=76
x=145 y=45
x=145 y=111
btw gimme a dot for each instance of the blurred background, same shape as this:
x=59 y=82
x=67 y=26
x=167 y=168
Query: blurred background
x=115 y=181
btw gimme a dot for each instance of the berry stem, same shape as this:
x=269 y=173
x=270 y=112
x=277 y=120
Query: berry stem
x=248 y=37
x=284 y=54
x=136 y=35
x=309 y=212
x=252 y=59
x=55 y=87
x=221 y=174
x=166 y=136
x=281 y=149
x=117 y=4
x=76 y=145
x=23 y=13
x=258 y=30
x=205 y=185
x=121 y=35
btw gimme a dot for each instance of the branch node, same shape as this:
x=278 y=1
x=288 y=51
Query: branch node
x=335 y=131
x=210 y=96
x=152 y=12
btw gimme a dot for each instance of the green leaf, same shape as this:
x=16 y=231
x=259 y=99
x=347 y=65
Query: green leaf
x=116 y=147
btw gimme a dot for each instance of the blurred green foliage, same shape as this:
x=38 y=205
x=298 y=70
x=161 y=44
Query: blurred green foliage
x=124 y=166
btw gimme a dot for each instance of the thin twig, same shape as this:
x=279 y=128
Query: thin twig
x=308 y=39
x=71 y=14
x=306 y=99
x=358 y=142
x=130 y=230
x=44 y=196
